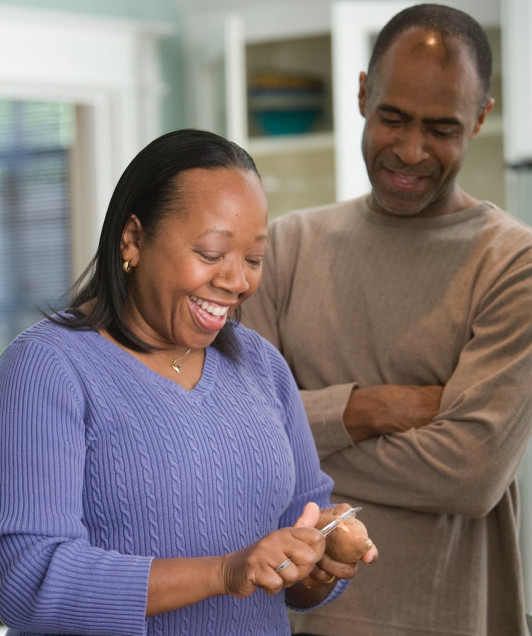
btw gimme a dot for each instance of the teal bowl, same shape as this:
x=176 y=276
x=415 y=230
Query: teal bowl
x=286 y=122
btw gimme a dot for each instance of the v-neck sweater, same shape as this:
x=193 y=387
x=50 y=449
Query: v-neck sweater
x=105 y=465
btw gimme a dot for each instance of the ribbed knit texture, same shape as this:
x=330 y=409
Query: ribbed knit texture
x=104 y=465
x=443 y=300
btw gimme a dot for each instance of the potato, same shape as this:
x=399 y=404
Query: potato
x=342 y=542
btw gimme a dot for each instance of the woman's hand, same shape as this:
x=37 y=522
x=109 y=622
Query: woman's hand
x=345 y=546
x=256 y=566
x=308 y=577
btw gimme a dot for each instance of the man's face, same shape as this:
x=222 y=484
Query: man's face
x=422 y=109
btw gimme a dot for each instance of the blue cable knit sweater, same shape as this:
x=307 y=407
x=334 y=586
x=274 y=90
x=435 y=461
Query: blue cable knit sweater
x=105 y=465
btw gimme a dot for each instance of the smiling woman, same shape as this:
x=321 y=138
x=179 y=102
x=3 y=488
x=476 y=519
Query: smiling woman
x=188 y=218
x=149 y=423
x=199 y=263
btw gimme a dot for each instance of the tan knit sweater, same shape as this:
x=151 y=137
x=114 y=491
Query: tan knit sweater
x=351 y=296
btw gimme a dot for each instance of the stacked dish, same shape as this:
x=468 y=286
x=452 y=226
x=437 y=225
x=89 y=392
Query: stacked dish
x=285 y=103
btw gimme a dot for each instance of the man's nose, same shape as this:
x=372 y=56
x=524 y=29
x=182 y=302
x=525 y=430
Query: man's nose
x=410 y=146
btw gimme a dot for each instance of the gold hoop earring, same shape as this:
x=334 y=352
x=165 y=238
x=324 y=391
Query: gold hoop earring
x=126 y=267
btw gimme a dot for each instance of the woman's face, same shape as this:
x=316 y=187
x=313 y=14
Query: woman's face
x=201 y=263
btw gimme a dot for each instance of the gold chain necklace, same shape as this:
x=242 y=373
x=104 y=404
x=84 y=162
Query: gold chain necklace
x=174 y=362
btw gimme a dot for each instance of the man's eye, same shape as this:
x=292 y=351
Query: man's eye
x=391 y=121
x=443 y=132
x=210 y=258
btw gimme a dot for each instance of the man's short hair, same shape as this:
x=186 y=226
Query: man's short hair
x=448 y=22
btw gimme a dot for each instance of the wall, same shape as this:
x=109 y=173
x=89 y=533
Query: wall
x=517 y=50
x=109 y=67
x=152 y=10
x=163 y=11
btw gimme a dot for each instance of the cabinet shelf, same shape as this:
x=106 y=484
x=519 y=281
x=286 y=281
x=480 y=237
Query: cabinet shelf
x=268 y=145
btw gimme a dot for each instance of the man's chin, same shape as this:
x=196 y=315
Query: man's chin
x=396 y=206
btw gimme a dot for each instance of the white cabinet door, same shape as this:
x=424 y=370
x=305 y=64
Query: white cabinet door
x=235 y=77
x=354 y=25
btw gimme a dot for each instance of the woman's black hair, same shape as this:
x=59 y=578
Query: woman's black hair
x=148 y=189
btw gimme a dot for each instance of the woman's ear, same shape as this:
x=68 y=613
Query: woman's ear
x=131 y=240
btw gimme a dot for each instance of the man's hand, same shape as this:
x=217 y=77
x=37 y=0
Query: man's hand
x=390 y=408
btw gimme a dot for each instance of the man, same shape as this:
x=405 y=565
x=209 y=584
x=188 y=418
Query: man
x=406 y=317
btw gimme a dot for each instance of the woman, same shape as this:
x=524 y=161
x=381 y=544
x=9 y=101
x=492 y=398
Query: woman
x=156 y=463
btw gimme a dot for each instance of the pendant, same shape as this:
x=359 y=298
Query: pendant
x=176 y=366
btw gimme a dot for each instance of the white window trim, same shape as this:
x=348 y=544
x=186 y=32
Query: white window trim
x=109 y=69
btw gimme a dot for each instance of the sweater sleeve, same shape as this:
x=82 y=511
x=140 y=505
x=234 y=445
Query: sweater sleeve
x=51 y=578
x=325 y=408
x=465 y=459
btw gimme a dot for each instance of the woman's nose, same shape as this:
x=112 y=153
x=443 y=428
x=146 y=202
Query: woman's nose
x=232 y=277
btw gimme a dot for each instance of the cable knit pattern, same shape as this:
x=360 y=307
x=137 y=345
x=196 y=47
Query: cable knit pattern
x=105 y=465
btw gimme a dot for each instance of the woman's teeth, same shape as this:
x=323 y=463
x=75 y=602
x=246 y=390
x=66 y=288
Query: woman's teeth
x=215 y=311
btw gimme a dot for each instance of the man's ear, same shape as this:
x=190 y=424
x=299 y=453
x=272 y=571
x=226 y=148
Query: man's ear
x=482 y=116
x=131 y=240
x=362 y=93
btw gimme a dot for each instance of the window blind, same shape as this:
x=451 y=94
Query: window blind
x=35 y=244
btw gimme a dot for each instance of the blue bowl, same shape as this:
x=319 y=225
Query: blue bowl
x=286 y=122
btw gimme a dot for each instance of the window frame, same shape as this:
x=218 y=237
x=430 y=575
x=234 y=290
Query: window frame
x=110 y=70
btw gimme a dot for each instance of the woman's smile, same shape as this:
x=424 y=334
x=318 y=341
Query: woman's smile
x=209 y=316
x=204 y=260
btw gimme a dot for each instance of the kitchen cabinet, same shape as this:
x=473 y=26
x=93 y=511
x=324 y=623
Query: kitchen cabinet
x=298 y=168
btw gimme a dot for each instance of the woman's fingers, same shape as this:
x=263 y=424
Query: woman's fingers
x=371 y=555
x=297 y=550
x=309 y=517
x=286 y=556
